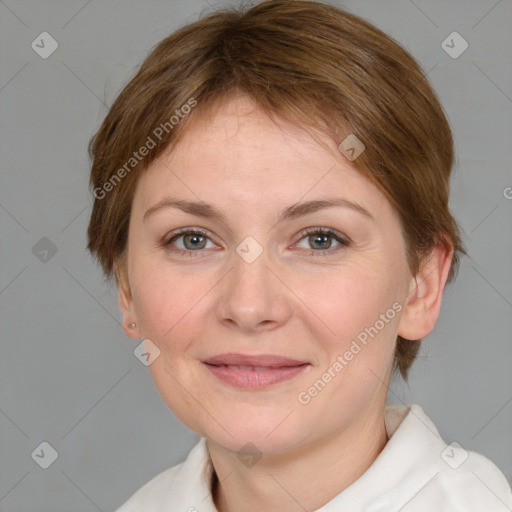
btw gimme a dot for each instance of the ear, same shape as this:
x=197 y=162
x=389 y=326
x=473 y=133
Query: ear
x=125 y=301
x=423 y=303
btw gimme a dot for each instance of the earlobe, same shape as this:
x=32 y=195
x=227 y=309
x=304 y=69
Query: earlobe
x=423 y=303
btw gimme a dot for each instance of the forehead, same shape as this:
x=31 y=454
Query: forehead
x=242 y=157
x=238 y=129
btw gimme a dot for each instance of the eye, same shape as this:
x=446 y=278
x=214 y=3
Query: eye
x=192 y=241
x=321 y=240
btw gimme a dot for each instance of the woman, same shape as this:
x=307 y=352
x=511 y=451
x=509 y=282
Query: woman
x=271 y=196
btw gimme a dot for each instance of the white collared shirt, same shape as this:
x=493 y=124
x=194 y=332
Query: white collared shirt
x=415 y=472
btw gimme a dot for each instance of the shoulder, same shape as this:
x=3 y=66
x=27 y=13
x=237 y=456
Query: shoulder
x=149 y=497
x=471 y=482
x=171 y=489
x=454 y=479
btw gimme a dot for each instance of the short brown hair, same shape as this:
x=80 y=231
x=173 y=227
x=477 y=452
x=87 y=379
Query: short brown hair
x=303 y=61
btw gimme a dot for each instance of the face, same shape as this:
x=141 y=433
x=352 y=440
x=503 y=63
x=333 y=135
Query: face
x=308 y=284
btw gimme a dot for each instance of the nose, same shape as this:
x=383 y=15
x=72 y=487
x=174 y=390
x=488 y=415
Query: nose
x=254 y=296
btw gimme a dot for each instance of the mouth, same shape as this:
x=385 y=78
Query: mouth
x=253 y=361
x=248 y=368
x=254 y=372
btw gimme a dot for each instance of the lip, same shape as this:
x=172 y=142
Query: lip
x=237 y=359
x=254 y=372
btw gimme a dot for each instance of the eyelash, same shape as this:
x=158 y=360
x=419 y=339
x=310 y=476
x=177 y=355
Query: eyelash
x=307 y=232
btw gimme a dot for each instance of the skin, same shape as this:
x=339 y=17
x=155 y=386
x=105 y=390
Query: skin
x=294 y=300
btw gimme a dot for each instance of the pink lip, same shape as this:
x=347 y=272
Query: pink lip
x=248 y=360
x=278 y=369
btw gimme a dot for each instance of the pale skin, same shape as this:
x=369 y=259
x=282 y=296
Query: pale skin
x=303 y=298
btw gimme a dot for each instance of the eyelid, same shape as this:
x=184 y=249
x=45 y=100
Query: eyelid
x=185 y=231
x=326 y=231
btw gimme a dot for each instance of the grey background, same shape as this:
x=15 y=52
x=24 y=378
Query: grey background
x=68 y=375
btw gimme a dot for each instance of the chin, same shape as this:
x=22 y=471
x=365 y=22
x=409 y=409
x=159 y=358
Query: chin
x=267 y=437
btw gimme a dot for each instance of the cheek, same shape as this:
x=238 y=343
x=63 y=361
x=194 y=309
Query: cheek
x=361 y=309
x=359 y=339
x=345 y=302
x=167 y=303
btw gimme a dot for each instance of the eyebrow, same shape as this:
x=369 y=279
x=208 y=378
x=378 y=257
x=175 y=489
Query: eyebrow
x=201 y=209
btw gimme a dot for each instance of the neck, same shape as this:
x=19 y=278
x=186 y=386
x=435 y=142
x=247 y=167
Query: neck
x=306 y=479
